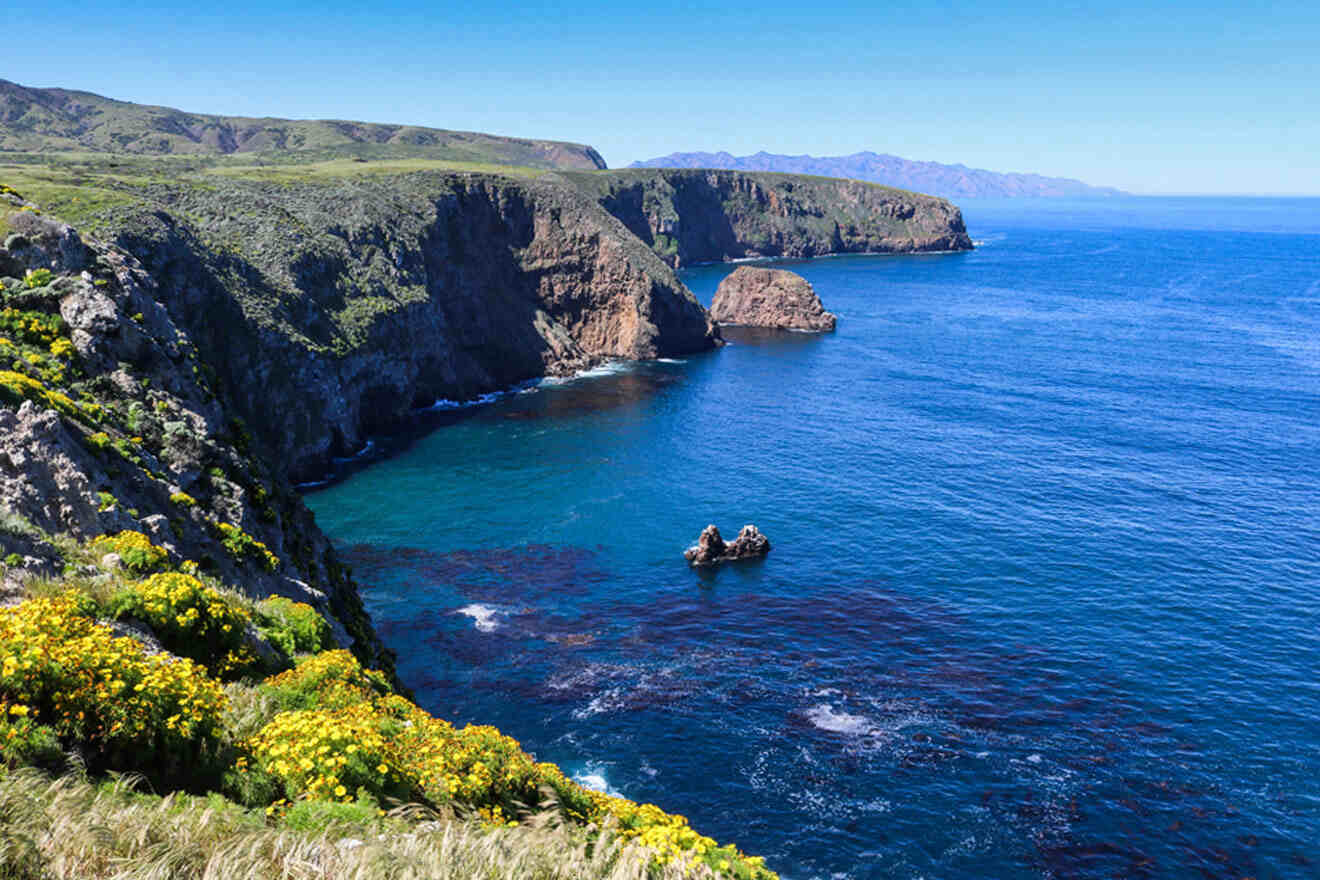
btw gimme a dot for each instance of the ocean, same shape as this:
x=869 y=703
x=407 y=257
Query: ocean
x=1044 y=592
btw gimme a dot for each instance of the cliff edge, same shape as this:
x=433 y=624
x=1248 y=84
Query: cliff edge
x=702 y=216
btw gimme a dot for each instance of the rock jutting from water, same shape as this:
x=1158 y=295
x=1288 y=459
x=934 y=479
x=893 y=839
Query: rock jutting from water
x=776 y=298
x=711 y=548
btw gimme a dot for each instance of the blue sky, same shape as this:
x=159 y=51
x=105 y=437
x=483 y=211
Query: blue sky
x=1176 y=97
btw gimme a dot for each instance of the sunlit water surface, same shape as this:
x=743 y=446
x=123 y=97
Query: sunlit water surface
x=1044 y=598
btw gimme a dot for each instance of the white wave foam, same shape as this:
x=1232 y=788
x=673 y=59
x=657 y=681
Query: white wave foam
x=606 y=701
x=445 y=403
x=592 y=776
x=371 y=444
x=824 y=717
x=670 y=361
x=483 y=616
x=609 y=368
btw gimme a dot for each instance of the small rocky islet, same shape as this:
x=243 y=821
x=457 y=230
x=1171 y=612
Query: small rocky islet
x=776 y=298
x=711 y=548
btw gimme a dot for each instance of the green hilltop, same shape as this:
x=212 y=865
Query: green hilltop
x=64 y=120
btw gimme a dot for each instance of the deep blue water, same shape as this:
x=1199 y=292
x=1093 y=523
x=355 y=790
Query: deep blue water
x=1044 y=598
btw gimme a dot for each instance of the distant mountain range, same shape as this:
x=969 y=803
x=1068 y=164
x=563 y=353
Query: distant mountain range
x=948 y=181
x=36 y=120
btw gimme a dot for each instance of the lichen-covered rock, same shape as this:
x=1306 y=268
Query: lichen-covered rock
x=47 y=476
x=41 y=242
x=712 y=548
x=757 y=297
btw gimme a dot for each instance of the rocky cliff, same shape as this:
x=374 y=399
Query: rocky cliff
x=329 y=311
x=109 y=423
x=708 y=216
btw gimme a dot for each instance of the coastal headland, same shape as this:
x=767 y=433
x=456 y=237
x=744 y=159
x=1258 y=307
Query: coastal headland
x=185 y=337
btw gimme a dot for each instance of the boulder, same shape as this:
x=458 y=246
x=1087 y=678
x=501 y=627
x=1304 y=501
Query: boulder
x=711 y=548
x=757 y=297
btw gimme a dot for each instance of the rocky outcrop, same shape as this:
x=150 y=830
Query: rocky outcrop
x=108 y=423
x=756 y=297
x=707 y=216
x=711 y=548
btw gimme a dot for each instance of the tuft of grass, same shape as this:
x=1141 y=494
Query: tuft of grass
x=66 y=828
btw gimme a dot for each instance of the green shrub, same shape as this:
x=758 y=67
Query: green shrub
x=317 y=816
x=293 y=627
x=36 y=278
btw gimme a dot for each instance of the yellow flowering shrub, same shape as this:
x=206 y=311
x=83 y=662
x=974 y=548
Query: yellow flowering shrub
x=127 y=710
x=136 y=552
x=61 y=348
x=346 y=737
x=329 y=754
x=243 y=546
x=190 y=619
x=17 y=387
x=37 y=329
x=183 y=499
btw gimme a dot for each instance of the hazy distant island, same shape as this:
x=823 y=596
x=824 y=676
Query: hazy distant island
x=946 y=181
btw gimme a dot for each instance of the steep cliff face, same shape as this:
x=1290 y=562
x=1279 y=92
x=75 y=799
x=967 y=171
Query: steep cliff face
x=330 y=310
x=707 y=216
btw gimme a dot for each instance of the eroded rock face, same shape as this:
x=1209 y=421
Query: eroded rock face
x=398 y=292
x=757 y=297
x=712 y=548
x=133 y=437
x=694 y=216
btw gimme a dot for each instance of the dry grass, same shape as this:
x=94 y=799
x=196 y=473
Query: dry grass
x=67 y=828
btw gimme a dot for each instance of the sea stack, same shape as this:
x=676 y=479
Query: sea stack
x=712 y=548
x=757 y=297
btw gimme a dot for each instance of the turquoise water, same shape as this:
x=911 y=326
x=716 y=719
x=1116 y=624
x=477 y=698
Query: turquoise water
x=1044 y=598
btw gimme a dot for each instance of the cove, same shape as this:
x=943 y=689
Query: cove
x=1042 y=596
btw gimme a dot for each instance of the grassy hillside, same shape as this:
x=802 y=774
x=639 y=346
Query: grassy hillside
x=62 y=120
